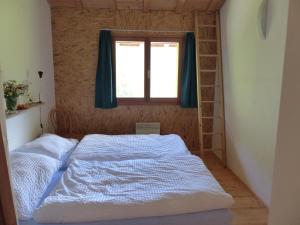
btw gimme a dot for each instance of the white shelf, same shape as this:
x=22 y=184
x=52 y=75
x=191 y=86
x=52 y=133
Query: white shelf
x=31 y=106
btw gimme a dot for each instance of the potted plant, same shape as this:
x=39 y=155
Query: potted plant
x=12 y=90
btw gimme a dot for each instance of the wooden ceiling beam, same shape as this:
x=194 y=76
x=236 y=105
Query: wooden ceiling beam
x=113 y=4
x=219 y=4
x=147 y=5
x=209 y=5
x=81 y=4
x=215 y=5
x=78 y=3
x=64 y=3
x=180 y=5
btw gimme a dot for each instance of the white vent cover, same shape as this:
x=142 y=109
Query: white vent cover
x=147 y=128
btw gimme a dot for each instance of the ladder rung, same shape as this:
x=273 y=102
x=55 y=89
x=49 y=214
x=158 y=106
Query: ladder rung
x=212 y=149
x=209 y=55
x=210 y=101
x=207 y=40
x=209 y=86
x=208 y=71
x=207 y=25
x=212 y=133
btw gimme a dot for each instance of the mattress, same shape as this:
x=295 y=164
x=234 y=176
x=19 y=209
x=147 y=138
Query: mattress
x=213 y=217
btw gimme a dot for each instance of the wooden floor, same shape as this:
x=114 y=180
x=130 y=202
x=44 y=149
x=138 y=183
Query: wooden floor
x=247 y=210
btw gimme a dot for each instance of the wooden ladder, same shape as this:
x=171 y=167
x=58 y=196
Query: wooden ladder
x=216 y=118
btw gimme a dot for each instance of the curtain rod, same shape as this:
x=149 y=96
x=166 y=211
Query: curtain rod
x=153 y=31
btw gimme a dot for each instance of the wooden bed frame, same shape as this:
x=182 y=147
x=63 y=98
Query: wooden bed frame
x=66 y=124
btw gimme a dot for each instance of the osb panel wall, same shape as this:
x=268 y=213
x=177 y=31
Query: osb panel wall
x=75 y=38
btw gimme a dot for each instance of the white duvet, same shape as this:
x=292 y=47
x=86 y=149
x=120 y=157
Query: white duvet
x=123 y=147
x=94 y=190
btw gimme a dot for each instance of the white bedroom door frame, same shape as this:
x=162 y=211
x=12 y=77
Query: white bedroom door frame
x=6 y=196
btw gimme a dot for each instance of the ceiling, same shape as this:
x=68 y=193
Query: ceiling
x=145 y=5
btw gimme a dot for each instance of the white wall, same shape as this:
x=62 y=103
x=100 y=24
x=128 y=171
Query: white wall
x=253 y=70
x=26 y=48
x=22 y=128
x=286 y=185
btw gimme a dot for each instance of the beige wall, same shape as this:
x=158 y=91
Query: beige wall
x=286 y=185
x=253 y=70
x=26 y=48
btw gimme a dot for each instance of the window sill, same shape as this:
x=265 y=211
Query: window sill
x=149 y=102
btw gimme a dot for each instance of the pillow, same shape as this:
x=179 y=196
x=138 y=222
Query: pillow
x=30 y=174
x=49 y=144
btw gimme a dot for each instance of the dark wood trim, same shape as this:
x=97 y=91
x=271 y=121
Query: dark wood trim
x=152 y=101
x=6 y=197
x=164 y=101
x=131 y=101
x=147 y=100
x=180 y=66
x=143 y=35
x=147 y=69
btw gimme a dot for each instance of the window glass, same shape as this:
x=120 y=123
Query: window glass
x=164 y=70
x=130 y=66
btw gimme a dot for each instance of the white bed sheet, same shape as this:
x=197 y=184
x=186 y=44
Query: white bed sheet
x=95 y=190
x=124 y=147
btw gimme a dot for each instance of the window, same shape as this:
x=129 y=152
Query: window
x=130 y=64
x=164 y=69
x=147 y=70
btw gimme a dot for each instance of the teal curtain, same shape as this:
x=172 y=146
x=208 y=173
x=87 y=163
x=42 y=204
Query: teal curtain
x=105 y=78
x=189 y=75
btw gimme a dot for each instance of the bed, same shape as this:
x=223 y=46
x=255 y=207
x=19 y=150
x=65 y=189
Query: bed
x=153 y=180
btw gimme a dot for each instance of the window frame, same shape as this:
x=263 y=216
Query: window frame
x=147 y=64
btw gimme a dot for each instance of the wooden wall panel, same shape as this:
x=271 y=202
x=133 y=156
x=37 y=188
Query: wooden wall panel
x=75 y=38
x=146 y=5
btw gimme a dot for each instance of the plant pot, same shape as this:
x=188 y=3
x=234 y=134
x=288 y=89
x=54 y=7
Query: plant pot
x=11 y=104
